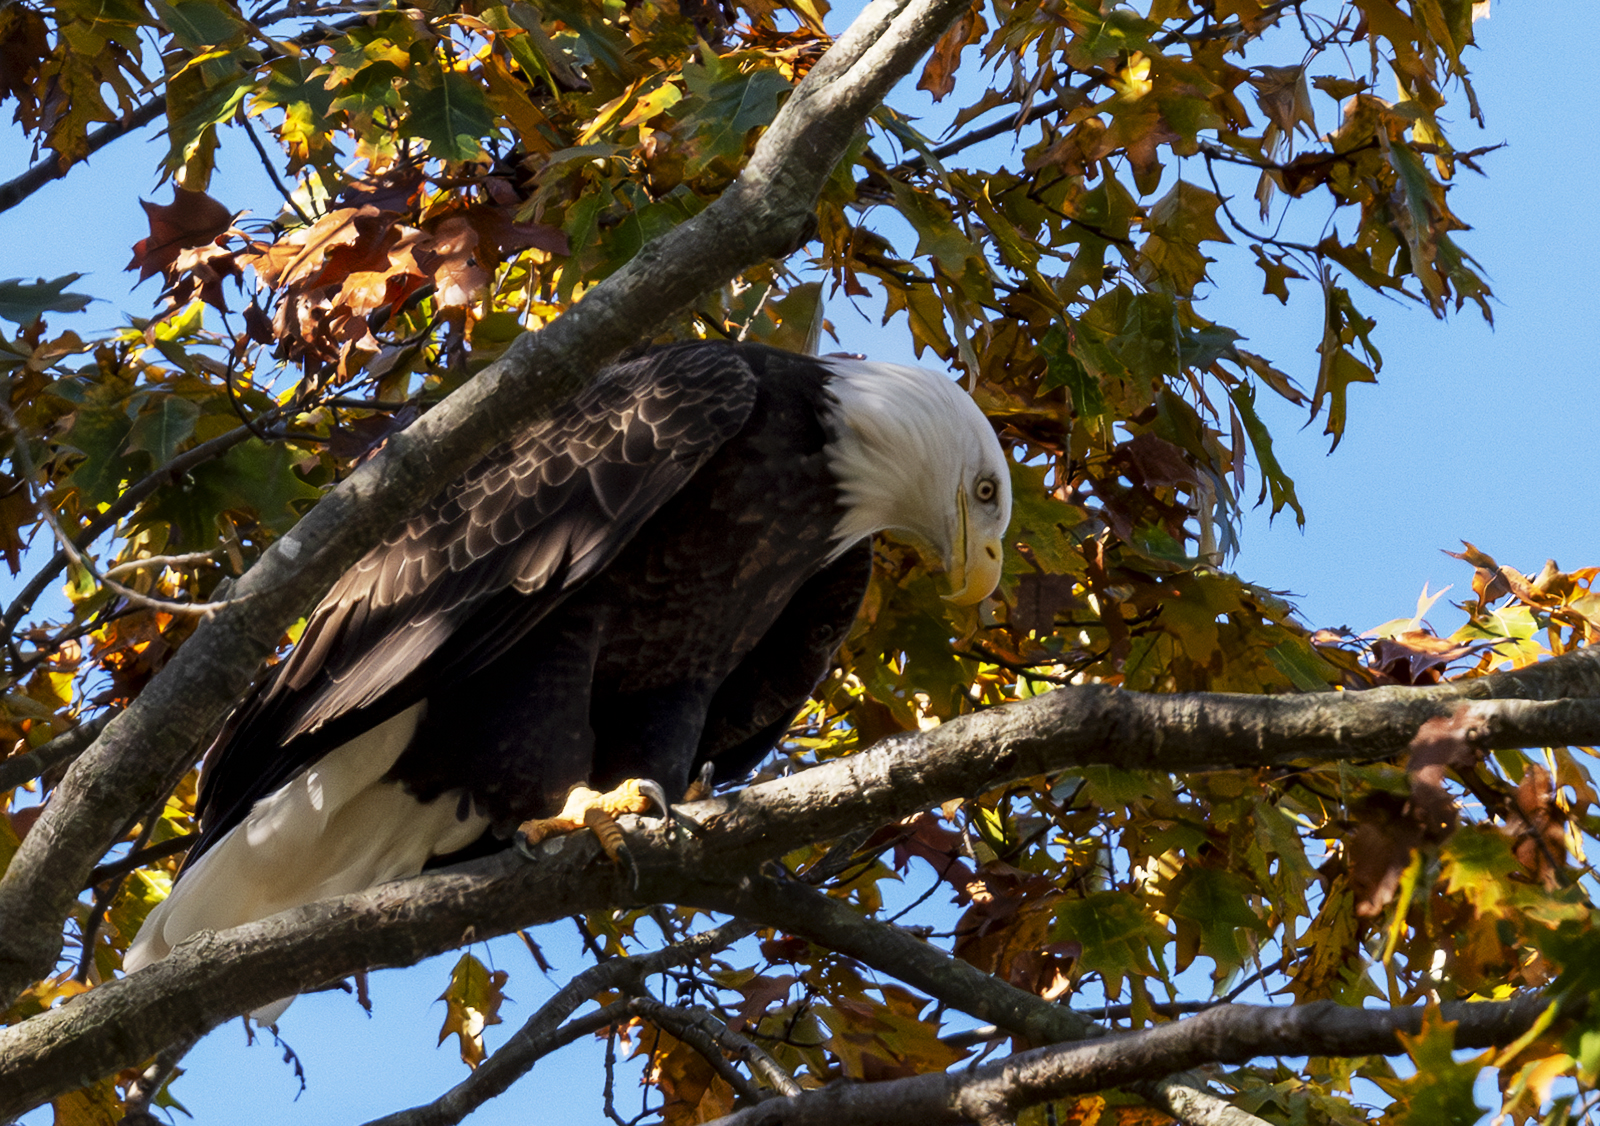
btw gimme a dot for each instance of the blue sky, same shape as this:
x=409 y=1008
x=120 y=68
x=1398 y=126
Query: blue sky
x=1472 y=433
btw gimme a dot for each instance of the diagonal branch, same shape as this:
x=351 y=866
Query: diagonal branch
x=800 y=910
x=993 y=1093
x=765 y=213
x=59 y=751
x=535 y=1038
x=19 y=188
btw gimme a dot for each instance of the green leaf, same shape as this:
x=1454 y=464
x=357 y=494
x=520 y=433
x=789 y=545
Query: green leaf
x=938 y=237
x=1301 y=666
x=165 y=423
x=25 y=303
x=1273 y=477
x=1063 y=369
x=199 y=25
x=1440 y=1093
x=100 y=433
x=1115 y=932
x=723 y=106
x=255 y=479
x=1217 y=902
x=1042 y=521
x=202 y=95
x=451 y=115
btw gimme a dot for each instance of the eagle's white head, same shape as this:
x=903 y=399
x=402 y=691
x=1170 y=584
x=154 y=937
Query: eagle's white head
x=912 y=453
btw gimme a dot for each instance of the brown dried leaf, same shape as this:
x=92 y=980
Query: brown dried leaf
x=692 y=1090
x=759 y=993
x=939 y=76
x=192 y=219
x=1284 y=97
x=1040 y=597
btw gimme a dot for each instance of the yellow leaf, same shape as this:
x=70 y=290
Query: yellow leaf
x=474 y=998
x=92 y=1106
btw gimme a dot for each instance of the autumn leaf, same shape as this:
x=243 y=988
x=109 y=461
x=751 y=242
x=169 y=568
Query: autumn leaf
x=473 y=1001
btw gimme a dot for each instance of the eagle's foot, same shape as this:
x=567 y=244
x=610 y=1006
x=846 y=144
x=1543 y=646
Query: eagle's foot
x=701 y=788
x=590 y=809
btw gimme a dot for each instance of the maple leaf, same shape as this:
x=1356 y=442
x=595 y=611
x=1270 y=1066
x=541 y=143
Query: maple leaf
x=192 y=219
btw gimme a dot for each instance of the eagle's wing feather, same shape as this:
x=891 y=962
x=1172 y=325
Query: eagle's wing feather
x=533 y=520
x=761 y=697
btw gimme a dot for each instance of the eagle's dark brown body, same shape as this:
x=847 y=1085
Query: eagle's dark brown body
x=606 y=660
x=654 y=578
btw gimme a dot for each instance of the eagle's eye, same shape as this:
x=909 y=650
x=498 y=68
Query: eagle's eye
x=985 y=490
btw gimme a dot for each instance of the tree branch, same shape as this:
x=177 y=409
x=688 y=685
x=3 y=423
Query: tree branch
x=993 y=1093
x=535 y=1039
x=19 y=188
x=57 y=752
x=800 y=910
x=765 y=213
x=211 y=978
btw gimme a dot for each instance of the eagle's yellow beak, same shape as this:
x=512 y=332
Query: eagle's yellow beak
x=975 y=570
x=976 y=576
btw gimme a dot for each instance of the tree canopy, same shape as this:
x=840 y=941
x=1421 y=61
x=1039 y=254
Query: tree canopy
x=1183 y=856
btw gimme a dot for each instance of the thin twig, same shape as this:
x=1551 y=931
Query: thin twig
x=272 y=171
x=128 y=500
x=103 y=898
x=47 y=512
x=175 y=561
x=529 y=1042
x=139 y=858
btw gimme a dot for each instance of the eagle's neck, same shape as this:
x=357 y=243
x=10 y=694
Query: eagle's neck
x=888 y=448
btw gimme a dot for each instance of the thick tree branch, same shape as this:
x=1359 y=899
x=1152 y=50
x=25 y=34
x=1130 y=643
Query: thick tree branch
x=764 y=214
x=211 y=978
x=994 y=1093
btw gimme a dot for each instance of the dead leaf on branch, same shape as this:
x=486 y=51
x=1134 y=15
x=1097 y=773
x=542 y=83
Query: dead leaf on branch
x=191 y=220
x=1283 y=95
x=1539 y=826
x=692 y=1090
x=1419 y=656
x=939 y=75
x=1392 y=829
x=1040 y=597
x=926 y=837
x=759 y=993
x=1006 y=931
x=888 y=1041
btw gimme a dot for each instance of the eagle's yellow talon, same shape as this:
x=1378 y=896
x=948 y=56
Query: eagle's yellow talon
x=586 y=808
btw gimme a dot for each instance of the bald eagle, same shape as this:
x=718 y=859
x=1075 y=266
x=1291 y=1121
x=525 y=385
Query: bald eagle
x=653 y=579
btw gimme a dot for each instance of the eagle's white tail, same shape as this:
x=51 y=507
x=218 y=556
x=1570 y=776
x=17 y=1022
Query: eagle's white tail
x=336 y=828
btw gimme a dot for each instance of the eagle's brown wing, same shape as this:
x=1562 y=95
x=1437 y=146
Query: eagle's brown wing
x=521 y=530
